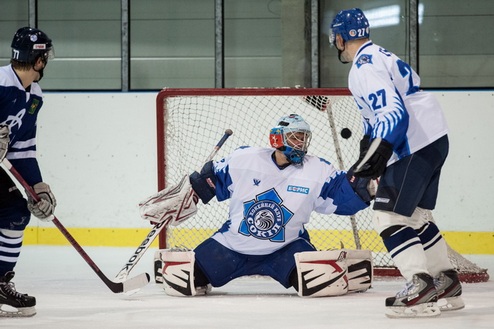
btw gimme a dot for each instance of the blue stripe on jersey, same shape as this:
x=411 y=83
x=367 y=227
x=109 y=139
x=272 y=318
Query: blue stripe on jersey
x=223 y=180
x=394 y=126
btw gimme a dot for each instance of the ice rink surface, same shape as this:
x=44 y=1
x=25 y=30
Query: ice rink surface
x=70 y=295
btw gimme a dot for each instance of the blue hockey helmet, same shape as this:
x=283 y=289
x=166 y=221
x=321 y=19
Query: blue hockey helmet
x=292 y=136
x=350 y=24
x=29 y=44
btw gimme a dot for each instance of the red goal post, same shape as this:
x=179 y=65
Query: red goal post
x=190 y=121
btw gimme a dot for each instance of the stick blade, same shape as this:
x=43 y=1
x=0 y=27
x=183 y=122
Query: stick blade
x=135 y=283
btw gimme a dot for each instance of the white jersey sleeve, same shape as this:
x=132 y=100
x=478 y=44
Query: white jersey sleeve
x=387 y=92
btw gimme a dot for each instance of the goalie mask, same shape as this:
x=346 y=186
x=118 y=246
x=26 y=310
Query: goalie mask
x=291 y=136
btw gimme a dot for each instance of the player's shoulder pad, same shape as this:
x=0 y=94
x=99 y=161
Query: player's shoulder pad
x=363 y=59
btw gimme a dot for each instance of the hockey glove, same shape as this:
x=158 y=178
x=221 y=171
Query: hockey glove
x=173 y=205
x=4 y=141
x=373 y=164
x=44 y=208
x=360 y=186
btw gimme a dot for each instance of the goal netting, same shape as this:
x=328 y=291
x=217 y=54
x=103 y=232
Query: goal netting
x=191 y=121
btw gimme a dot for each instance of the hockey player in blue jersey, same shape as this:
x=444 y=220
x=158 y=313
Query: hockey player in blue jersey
x=272 y=192
x=20 y=101
x=405 y=144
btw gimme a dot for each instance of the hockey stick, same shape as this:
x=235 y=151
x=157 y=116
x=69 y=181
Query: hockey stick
x=362 y=165
x=134 y=283
x=155 y=231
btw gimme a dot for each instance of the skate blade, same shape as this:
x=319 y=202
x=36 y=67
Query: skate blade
x=416 y=311
x=8 y=311
x=451 y=303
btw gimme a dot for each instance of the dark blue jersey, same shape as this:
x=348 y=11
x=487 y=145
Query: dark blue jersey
x=19 y=110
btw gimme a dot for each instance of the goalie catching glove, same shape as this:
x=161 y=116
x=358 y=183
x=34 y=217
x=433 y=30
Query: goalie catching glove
x=178 y=203
x=172 y=205
x=4 y=141
x=44 y=208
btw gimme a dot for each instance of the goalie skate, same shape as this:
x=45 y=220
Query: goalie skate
x=417 y=299
x=13 y=303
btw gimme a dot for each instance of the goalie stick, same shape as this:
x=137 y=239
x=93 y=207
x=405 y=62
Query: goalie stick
x=134 y=283
x=155 y=231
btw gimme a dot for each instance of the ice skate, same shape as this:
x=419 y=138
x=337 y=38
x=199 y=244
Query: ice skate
x=13 y=303
x=417 y=299
x=449 y=290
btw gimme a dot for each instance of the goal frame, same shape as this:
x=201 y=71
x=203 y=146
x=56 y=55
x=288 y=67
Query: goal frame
x=161 y=127
x=177 y=92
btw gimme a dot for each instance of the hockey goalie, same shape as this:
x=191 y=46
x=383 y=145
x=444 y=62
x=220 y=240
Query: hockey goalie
x=272 y=192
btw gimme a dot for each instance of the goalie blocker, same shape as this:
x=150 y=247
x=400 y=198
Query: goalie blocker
x=320 y=273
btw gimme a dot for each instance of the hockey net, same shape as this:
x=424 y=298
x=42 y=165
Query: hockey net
x=191 y=121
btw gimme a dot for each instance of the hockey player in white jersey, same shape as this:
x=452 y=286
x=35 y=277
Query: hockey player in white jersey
x=20 y=101
x=405 y=144
x=272 y=192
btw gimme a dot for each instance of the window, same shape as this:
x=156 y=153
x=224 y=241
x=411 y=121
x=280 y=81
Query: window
x=172 y=44
x=455 y=44
x=86 y=36
x=261 y=43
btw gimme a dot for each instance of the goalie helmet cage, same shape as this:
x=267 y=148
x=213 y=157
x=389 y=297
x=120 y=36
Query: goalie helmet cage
x=189 y=122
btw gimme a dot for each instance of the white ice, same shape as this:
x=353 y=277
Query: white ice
x=70 y=295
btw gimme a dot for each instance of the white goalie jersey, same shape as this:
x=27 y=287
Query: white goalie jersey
x=269 y=206
x=387 y=91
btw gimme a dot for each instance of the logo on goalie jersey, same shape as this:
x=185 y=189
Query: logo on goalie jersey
x=298 y=189
x=265 y=218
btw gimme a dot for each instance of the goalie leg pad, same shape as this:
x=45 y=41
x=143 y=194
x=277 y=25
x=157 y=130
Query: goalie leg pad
x=321 y=273
x=178 y=273
x=360 y=269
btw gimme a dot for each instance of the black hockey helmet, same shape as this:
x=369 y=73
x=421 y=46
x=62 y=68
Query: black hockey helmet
x=29 y=44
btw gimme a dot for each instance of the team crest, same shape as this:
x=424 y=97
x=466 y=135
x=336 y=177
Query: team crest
x=364 y=59
x=265 y=217
x=34 y=106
